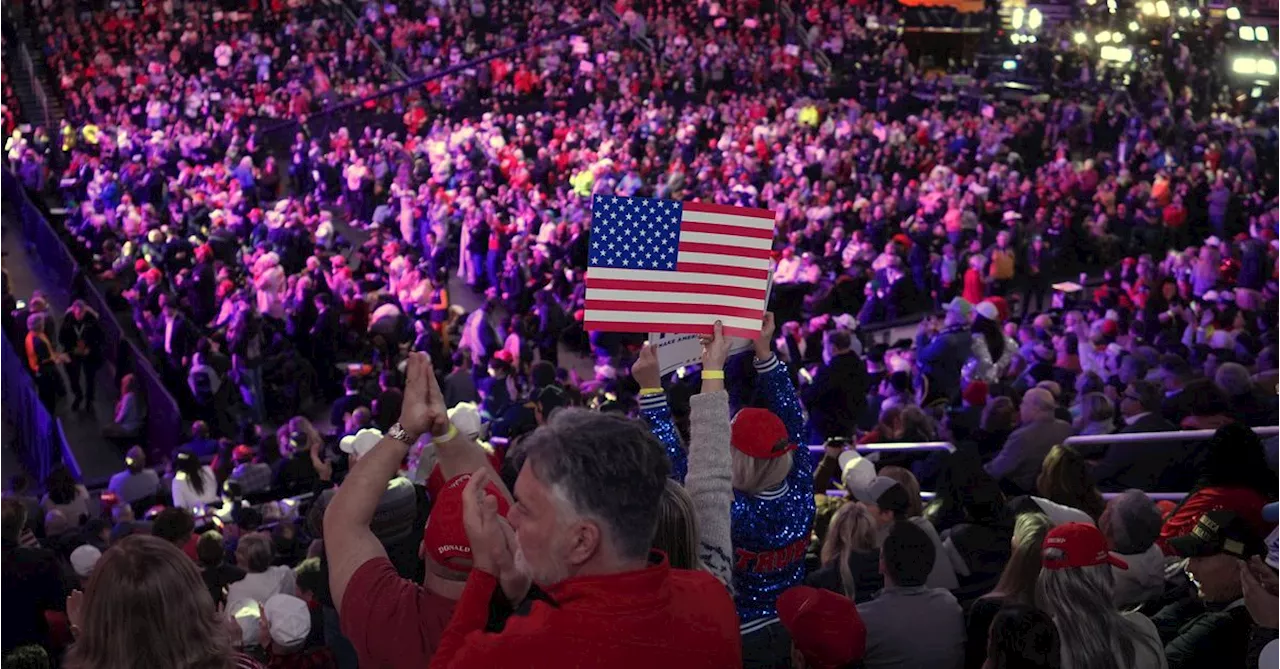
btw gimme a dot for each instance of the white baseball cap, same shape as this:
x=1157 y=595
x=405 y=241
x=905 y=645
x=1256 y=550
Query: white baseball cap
x=361 y=442
x=289 y=618
x=83 y=560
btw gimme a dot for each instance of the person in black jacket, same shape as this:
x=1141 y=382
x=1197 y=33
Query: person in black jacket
x=850 y=555
x=81 y=337
x=1213 y=627
x=838 y=393
x=32 y=582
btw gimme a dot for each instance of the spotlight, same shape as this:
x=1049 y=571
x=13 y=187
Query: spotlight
x=1184 y=13
x=1080 y=38
x=1118 y=54
x=1034 y=19
x=1267 y=67
x=1244 y=65
x=1019 y=15
x=1149 y=8
x=1162 y=9
x=1102 y=37
x=1233 y=13
x=1134 y=27
x=1262 y=34
x=1010 y=65
x=1246 y=33
x=1195 y=14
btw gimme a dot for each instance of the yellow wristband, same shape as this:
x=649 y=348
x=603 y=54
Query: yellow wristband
x=447 y=436
x=713 y=374
x=651 y=391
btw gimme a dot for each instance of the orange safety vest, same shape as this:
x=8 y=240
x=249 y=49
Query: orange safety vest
x=33 y=355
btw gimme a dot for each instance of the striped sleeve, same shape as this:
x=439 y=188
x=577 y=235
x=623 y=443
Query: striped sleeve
x=657 y=413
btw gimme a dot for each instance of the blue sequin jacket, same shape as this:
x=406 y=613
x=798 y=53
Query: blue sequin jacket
x=770 y=529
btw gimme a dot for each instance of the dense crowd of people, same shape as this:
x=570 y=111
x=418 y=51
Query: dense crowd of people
x=470 y=499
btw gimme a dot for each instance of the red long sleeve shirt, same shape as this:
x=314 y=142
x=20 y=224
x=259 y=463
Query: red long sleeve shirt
x=653 y=617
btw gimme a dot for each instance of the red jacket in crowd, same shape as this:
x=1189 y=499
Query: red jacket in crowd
x=653 y=617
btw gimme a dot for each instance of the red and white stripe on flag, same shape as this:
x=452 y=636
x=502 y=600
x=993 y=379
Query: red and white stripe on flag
x=720 y=272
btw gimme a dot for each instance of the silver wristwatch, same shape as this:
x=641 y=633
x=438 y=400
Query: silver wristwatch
x=401 y=435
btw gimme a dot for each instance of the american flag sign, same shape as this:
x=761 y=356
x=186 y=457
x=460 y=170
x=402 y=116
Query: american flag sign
x=670 y=267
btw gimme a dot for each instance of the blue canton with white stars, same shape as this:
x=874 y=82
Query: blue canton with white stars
x=634 y=233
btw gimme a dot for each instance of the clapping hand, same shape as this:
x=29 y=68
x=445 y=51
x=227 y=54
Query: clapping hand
x=493 y=541
x=423 y=410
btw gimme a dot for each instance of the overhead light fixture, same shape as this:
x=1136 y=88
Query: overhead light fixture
x=1119 y=54
x=1016 y=38
x=1256 y=92
x=1031 y=39
x=1262 y=34
x=1149 y=8
x=1245 y=33
x=1134 y=27
x=1233 y=13
x=1184 y=13
x=1019 y=16
x=1244 y=65
x=1010 y=65
x=1034 y=19
x=1102 y=37
x=1195 y=13
x=1080 y=38
x=1162 y=9
x=1177 y=35
x=1267 y=67
x=1117 y=37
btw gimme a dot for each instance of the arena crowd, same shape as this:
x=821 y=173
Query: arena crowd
x=379 y=476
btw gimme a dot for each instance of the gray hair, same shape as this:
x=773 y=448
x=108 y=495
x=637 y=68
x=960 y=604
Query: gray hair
x=1093 y=633
x=1233 y=378
x=255 y=551
x=1131 y=522
x=606 y=467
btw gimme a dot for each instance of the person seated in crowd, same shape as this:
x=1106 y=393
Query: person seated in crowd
x=1131 y=525
x=906 y=604
x=137 y=482
x=32 y=581
x=1016 y=587
x=1023 y=637
x=299 y=446
x=1211 y=626
x=251 y=475
x=194 y=484
x=888 y=502
x=826 y=630
x=201 y=444
x=66 y=495
x=1155 y=466
x=850 y=555
x=1231 y=474
x=1018 y=462
x=285 y=631
x=262 y=579
x=130 y=415
x=1065 y=490
x=217 y=573
x=1075 y=588
x=145 y=590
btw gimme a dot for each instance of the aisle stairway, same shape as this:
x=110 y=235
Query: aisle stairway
x=34 y=86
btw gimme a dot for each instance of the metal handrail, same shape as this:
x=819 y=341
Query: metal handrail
x=900 y=446
x=1148 y=437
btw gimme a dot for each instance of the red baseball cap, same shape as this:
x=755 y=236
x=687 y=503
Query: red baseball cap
x=242 y=453
x=825 y=627
x=760 y=434
x=445 y=538
x=1074 y=545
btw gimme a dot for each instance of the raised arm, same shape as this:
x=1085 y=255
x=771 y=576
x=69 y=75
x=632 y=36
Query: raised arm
x=657 y=411
x=710 y=478
x=784 y=402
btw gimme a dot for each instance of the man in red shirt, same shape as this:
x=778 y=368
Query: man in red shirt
x=588 y=493
x=391 y=621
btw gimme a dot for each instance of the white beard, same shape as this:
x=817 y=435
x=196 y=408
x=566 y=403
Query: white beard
x=541 y=574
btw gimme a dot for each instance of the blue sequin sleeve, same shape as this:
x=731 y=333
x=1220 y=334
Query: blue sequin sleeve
x=657 y=413
x=784 y=402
